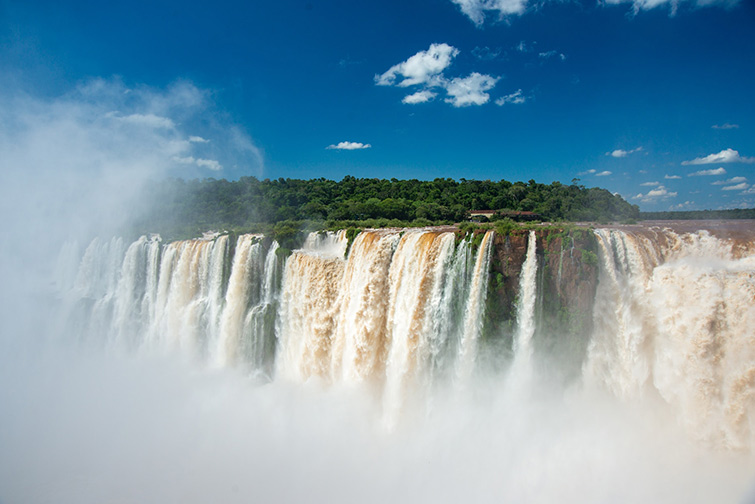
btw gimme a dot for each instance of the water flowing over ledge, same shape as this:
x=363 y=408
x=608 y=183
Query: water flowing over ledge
x=639 y=314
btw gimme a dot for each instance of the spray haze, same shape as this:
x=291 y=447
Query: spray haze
x=218 y=370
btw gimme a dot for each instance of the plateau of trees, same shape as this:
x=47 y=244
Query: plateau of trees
x=180 y=206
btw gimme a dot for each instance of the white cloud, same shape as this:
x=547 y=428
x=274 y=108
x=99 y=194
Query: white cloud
x=588 y=172
x=349 y=146
x=620 y=153
x=426 y=68
x=421 y=68
x=733 y=180
x=470 y=90
x=682 y=206
x=523 y=47
x=658 y=193
x=650 y=184
x=477 y=9
x=603 y=173
x=419 y=97
x=209 y=163
x=725 y=156
x=672 y=177
x=198 y=139
x=516 y=98
x=551 y=54
x=705 y=173
x=738 y=187
x=725 y=126
x=202 y=163
x=644 y=5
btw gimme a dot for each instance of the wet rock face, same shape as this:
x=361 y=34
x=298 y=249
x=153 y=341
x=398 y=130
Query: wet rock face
x=567 y=279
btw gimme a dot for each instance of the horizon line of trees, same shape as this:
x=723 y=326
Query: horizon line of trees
x=219 y=203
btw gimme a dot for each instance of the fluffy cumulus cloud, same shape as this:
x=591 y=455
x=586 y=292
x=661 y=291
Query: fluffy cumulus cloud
x=517 y=98
x=672 y=177
x=738 y=187
x=706 y=173
x=683 y=206
x=470 y=90
x=349 y=146
x=725 y=126
x=733 y=180
x=419 y=97
x=659 y=193
x=650 y=184
x=422 y=68
x=725 y=156
x=620 y=153
x=476 y=10
x=426 y=70
x=596 y=173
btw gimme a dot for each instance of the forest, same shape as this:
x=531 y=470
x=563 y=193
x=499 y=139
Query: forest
x=184 y=208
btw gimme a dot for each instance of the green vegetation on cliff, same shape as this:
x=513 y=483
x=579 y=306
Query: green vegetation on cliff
x=182 y=207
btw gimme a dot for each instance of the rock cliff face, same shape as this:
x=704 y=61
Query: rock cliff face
x=567 y=277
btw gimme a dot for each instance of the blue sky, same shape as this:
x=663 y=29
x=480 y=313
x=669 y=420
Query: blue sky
x=648 y=98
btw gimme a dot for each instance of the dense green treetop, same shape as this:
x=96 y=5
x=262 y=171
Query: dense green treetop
x=222 y=204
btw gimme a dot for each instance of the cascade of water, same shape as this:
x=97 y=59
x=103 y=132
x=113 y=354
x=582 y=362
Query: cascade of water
x=181 y=295
x=525 y=312
x=616 y=355
x=360 y=341
x=412 y=275
x=259 y=328
x=149 y=301
x=213 y=294
x=675 y=315
x=475 y=305
x=449 y=325
x=242 y=292
x=97 y=281
x=128 y=320
x=326 y=243
x=308 y=317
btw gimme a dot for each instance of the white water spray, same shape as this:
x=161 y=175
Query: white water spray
x=525 y=316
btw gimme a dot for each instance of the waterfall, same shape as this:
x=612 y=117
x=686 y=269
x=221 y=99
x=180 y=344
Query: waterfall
x=382 y=313
x=525 y=314
x=243 y=291
x=405 y=310
x=473 y=314
x=674 y=316
x=360 y=338
x=413 y=274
